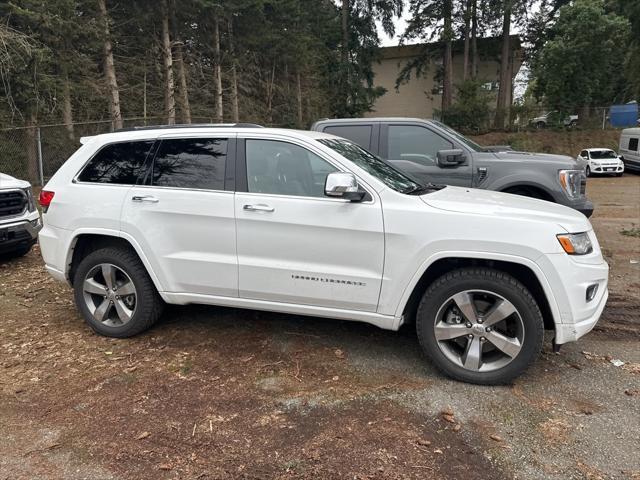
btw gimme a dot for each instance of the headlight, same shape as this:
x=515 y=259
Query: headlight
x=570 y=181
x=30 y=199
x=576 y=243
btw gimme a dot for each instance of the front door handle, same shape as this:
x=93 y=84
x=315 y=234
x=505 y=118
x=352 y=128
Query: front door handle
x=144 y=198
x=260 y=207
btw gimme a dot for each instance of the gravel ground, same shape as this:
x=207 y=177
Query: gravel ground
x=226 y=393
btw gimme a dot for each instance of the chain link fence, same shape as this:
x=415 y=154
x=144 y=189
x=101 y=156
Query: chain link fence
x=36 y=153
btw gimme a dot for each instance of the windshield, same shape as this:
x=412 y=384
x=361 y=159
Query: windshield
x=602 y=154
x=372 y=165
x=469 y=143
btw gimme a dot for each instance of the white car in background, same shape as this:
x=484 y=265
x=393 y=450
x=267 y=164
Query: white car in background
x=602 y=161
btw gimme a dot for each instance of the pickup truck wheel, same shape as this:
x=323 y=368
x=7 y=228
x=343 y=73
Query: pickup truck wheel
x=480 y=325
x=113 y=291
x=540 y=125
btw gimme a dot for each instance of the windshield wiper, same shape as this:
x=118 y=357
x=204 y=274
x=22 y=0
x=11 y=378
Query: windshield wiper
x=420 y=189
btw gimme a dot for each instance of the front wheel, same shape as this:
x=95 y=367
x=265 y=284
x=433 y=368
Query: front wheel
x=480 y=325
x=115 y=294
x=588 y=171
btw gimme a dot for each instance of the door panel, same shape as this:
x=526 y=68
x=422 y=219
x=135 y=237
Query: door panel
x=183 y=218
x=413 y=149
x=294 y=244
x=312 y=251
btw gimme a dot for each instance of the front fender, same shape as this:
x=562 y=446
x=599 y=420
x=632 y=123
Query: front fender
x=526 y=262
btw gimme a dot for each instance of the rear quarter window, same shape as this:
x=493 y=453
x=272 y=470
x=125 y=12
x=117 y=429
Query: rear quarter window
x=360 y=134
x=633 y=144
x=117 y=163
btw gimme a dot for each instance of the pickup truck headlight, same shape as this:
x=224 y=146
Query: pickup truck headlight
x=31 y=200
x=570 y=181
x=576 y=243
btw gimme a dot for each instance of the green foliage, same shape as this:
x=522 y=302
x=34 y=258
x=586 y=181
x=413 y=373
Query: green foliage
x=470 y=111
x=581 y=64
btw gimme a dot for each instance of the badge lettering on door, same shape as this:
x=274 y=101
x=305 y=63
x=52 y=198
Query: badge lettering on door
x=328 y=280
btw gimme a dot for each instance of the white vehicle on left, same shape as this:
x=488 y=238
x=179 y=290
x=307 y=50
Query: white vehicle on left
x=601 y=161
x=19 y=217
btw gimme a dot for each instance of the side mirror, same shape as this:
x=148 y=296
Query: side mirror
x=450 y=158
x=343 y=185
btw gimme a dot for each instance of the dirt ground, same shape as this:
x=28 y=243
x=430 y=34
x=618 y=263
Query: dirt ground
x=224 y=393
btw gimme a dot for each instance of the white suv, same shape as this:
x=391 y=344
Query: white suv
x=312 y=224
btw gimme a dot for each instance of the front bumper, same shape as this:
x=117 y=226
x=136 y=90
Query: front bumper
x=583 y=205
x=570 y=279
x=607 y=169
x=20 y=233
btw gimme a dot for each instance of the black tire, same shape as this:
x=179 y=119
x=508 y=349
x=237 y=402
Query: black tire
x=525 y=192
x=541 y=125
x=588 y=171
x=148 y=306
x=490 y=280
x=619 y=174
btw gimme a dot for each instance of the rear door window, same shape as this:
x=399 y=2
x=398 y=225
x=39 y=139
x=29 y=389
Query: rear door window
x=197 y=163
x=117 y=163
x=360 y=134
x=633 y=144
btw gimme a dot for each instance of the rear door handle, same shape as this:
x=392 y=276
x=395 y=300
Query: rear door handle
x=144 y=198
x=260 y=207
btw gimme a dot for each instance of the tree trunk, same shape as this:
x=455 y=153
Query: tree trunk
x=235 y=110
x=169 y=89
x=299 y=98
x=217 y=70
x=345 y=77
x=447 y=61
x=109 y=68
x=270 y=89
x=475 y=60
x=67 y=111
x=182 y=71
x=467 y=23
x=504 y=91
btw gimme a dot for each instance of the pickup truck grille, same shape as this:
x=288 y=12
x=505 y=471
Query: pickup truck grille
x=12 y=203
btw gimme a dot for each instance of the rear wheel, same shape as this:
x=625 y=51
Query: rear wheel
x=480 y=326
x=113 y=291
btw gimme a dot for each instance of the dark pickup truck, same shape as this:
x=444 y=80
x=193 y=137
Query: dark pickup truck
x=430 y=151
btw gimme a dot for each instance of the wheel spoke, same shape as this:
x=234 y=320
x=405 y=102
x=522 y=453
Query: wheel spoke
x=109 y=274
x=501 y=310
x=472 y=356
x=447 y=331
x=464 y=302
x=126 y=288
x=102 y=312
x=124 y=314
x=92 y=286
x=507 y=345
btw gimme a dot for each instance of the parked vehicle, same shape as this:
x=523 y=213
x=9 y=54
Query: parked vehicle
x=429 y=151
x=629 y=151
x=601 y=161
x=19 y=217
x=312 y=224
x=554 y=118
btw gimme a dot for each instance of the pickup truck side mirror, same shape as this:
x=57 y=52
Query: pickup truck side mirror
x=450 y=158
x=343 y=185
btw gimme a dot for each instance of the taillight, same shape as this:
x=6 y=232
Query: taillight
x=45 y=199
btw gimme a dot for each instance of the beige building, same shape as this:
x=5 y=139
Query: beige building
x=421 y=95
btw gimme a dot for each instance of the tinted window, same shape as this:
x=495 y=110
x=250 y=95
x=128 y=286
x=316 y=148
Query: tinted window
x=118 y=163
x=360 y=134
x=191 y=163
x=633 y=144
x=283 y=168
x=415 y=144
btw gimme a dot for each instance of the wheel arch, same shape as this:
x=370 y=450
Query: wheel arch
x=543 y=192
x=522 y=269
x=86 y=241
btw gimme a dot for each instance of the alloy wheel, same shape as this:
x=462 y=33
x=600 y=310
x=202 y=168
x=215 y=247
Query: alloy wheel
x=479 y=330
x=109 y=294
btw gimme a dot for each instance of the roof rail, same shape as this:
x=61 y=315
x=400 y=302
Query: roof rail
x=190 y=125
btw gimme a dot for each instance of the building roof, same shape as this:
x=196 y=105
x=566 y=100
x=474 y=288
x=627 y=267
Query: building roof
x=487 y=47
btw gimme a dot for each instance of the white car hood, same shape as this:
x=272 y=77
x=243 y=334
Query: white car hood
x=506 y=206
x=7 y=181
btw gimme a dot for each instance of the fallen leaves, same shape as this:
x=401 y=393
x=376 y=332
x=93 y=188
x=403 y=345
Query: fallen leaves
x=143 y=435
